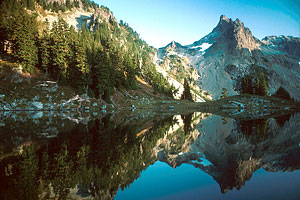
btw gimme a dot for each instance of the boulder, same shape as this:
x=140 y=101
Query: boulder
x=37 y=105
x=37 y=115
x=36 y=98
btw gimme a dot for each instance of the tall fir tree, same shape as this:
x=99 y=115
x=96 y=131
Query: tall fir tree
x=79 y=69
x=246 y=85
x=25 y=35
x=30 y=4
x=263 y=88
x=44 y=49
x=187 y=91
x=61 y=54
x=224 y=93
x=256 y=89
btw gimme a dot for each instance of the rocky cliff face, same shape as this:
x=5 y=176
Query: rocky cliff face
x=76 y=17
x=234 y=34
x=230 y=51
x=285 y=44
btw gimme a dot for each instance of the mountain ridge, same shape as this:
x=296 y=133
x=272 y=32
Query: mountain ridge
x=232 y=52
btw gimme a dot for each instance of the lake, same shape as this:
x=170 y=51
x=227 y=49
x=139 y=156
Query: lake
x=148 y=155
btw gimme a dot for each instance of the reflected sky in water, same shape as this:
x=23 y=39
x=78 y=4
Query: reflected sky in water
x=162 y=182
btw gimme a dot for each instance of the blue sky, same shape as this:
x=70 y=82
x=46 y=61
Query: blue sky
x=160 y=21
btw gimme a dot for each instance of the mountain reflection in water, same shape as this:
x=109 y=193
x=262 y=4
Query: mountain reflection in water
x=56 y=156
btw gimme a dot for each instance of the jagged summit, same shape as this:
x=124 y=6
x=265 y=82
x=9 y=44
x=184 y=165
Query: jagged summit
x=232 y=33
x=235 y=33
x=223 y=24
x=173 y=45
x=224 y=18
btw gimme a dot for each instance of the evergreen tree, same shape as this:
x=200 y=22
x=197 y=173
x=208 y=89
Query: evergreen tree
x=224 y=93
x=105 y=85
x=78 y=67
x=102 y=84
x=24 y=37
x=117 y=59
x=61 y=54
x=44 y=49
x=258 y=86
x=263 y=88
x=256 y=89
x=30 y=4
x=7 y=18
x=68 y=4
x=130 y=70
x=187 y=91
x=246 y=85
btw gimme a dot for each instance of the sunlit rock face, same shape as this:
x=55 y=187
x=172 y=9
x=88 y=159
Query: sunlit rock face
x=236 y=34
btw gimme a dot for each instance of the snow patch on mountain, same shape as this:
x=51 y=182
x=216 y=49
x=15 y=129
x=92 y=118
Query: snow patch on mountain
x=202 y=47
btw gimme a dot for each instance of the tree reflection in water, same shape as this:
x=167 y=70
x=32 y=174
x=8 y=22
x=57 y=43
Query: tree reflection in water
x=99 y=161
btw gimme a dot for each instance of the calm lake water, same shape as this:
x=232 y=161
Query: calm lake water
x=46 y=155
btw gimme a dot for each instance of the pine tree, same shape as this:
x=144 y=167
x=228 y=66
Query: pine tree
x=5 y=24
x=130 y=70
x=187 y=91
x=246 y=85
x=263 y=88
x=256 y=89
x=24 y=39
x=224 y=93
x=117 y=59
x=68 y=4
x=78 y=69
x=105 y=84
x=44 y=49
x=61 y=54
x=101 y=74
x=30 y=4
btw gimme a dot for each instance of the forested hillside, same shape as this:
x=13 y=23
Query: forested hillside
x=97 y=59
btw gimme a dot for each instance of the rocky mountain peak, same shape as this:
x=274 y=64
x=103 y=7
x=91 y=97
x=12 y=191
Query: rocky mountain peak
x=223 y=25
x=238 y=22
x=244 y=37
x=173 y=45
x=224 y=18
x=235 y=34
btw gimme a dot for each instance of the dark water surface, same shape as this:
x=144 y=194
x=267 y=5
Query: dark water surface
x=46 y=155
